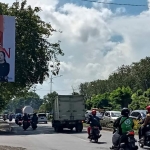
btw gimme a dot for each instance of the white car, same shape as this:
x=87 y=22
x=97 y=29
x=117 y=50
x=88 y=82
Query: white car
x=42 y=117
x=111 y=116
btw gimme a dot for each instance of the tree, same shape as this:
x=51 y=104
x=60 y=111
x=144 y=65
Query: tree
x=140 y=99
x=75 y=93
x=30 y=98
x=48 y=101
x=121 y=96
x=135 y=76
x=33 y=49
x=100 y=100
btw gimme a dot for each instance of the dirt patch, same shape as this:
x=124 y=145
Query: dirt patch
x=11 y=148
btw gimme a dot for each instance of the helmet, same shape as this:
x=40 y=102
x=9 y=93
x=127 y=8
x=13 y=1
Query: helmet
x=125 y=112
x=93 y=112
x=148 y=108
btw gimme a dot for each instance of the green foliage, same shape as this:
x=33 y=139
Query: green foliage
x=48 y=102
x=125 y=88
x=121 y=96
x=30 y=98
x=34 y=51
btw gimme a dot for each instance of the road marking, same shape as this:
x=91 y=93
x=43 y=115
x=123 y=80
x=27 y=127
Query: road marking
x=83 y=139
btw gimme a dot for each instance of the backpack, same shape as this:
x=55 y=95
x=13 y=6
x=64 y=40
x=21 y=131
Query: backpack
x=120 y=130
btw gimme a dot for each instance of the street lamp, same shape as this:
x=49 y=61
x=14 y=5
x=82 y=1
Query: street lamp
x=51 y=81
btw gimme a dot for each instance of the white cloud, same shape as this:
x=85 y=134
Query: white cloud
x=86 y=40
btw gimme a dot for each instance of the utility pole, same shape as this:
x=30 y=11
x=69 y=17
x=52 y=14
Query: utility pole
x=51 y=82
x=72 y=89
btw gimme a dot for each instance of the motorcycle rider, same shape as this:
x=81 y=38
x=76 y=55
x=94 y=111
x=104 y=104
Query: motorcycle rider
x=34 y=118
x=19 y=117
x=123 y=124
x=10 y=117
x=142 y=129
x=94 y=121
x=25 y=118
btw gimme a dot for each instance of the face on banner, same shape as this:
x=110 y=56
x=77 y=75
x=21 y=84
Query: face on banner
x=7 y=48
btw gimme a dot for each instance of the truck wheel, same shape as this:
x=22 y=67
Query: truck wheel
x=56 y=129
x=79 y=127
x=71 y=129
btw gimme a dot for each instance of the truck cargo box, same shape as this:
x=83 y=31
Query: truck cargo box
x=69 y=107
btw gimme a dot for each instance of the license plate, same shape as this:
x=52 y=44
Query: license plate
x=42 y=118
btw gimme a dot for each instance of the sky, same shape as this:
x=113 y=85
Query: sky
x=96 y=38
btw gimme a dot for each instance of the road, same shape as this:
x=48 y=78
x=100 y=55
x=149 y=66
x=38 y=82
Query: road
x=44 y=138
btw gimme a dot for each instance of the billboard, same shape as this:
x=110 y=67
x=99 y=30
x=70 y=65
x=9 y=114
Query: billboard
x=7 y=48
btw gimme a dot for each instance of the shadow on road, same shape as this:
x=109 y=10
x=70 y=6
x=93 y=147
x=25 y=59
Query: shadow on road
x=41 y=129
x=99 y=142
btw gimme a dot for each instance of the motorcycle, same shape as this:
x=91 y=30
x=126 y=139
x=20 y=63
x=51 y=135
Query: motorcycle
x=127 y=142
x=26 y=125
x=34 y=125
x=19 y=122
x=95 y=134
x=146 y=140
x=4 y=118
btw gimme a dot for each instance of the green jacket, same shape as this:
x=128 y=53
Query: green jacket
x=124 y=126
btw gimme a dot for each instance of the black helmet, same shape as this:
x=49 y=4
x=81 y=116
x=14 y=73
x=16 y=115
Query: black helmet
x=125 y=112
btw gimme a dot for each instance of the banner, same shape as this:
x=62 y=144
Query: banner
x=7 y=48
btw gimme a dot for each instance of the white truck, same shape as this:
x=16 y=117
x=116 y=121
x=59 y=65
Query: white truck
x=68 y=112
x=27 y=109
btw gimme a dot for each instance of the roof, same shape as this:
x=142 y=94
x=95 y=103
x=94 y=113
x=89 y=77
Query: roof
x=139 y=110
x=114 y=111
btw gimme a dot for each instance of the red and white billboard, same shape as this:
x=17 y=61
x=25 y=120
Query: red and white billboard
x=7 y=48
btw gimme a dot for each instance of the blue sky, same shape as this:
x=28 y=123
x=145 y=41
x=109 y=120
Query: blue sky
x=129 y=10
x=96 y=38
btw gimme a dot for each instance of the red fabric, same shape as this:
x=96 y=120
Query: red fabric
x=88 y=130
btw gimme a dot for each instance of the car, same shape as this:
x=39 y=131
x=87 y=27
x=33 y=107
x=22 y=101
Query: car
x=42 y=118
x=138 y=114
x=111 y=116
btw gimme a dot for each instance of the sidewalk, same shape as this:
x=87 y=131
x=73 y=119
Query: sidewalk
x=5 y=126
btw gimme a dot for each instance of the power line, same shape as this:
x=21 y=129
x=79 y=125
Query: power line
x=92 y=1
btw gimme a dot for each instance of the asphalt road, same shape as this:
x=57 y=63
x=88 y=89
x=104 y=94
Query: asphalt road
x=44 y=138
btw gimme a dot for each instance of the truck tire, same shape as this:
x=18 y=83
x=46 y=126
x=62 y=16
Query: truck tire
x=58 y=129
x=79 y=127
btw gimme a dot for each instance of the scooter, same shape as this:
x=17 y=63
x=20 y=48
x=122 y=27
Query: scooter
x=146 y=140
x=126 y=142
x=26 y=125
x=95 y=134
x=34 y=125
x=19 y=122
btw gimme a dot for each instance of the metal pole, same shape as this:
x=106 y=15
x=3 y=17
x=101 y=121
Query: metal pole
x=51 y=81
